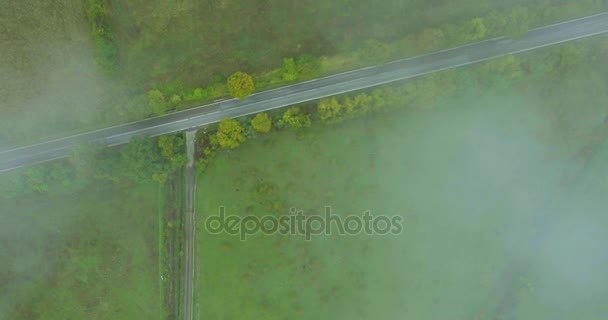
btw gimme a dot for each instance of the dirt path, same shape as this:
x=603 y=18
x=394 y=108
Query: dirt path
x=190 y=183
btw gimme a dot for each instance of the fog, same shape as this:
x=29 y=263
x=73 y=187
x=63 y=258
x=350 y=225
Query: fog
x=503 y=217
x=49 y=81
x=490 y=222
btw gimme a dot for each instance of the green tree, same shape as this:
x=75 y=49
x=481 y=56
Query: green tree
x=514 y=23
x=175 y=100
x=230 y=133
x=330 y=110
x=517 y=22
x=138 y=161
x=289 y=70
x=166 y=143
x=504 y=69
x=476 y=29
x=308 y=66
x=157 y=102
x=261 y=122
x=296 y=118
x=570 y=56
x=240 y=84
x=359 y=105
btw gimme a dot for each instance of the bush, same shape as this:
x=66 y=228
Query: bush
x=229 y=133
x=261 y=122
x=157 y=102
x=240 y=84
x=329 y=110
x=175 y=100
x=308 y=66
x=105 y=48
x=296 y=118
x=289 y=71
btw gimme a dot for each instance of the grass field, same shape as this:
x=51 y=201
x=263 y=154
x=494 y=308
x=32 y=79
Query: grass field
x=90 y=255
x=489 y=231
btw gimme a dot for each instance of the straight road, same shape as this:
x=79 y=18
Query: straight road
x=311 y=90
x=189 y=226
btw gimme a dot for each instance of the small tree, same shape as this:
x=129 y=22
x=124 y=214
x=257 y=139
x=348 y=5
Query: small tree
x=517 y=22
x=166 y=144
x=476 y=29
x=230 y=133
x=261 y=122
x=308 y=66
x=157 y=102
x=296 y=118
x=175 y=100
x=329 y=110
x=240 y=84
x=290 y=70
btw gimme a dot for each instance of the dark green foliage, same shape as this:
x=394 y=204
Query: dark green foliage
x=157 y=102
x=140 y=159
x=308 y=66
x=289 y=70
x=513 y=23
x=98 y=13
x=296 y=118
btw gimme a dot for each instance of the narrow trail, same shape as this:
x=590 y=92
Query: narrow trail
x=190 y=182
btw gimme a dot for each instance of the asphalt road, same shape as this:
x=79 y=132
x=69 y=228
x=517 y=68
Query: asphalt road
x=311 y=90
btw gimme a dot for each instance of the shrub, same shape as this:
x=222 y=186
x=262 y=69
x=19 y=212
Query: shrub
x=296 y=118
x=240 y=84
x=308 y=66
x=329 y=110
x=229 y=133
x=261 y=122
x=289 y=70
x=157 y=102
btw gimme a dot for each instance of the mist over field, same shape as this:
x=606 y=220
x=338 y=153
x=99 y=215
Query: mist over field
x=503 y=218
x=481 y=173
x=499 y=169
x=49 y=82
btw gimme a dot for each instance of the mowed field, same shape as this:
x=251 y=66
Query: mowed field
x=90 y=255
x=491 y=231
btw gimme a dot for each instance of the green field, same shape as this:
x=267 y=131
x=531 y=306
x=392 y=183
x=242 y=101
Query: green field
x=490 y=231
x=89 y=255
x=499 y=170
